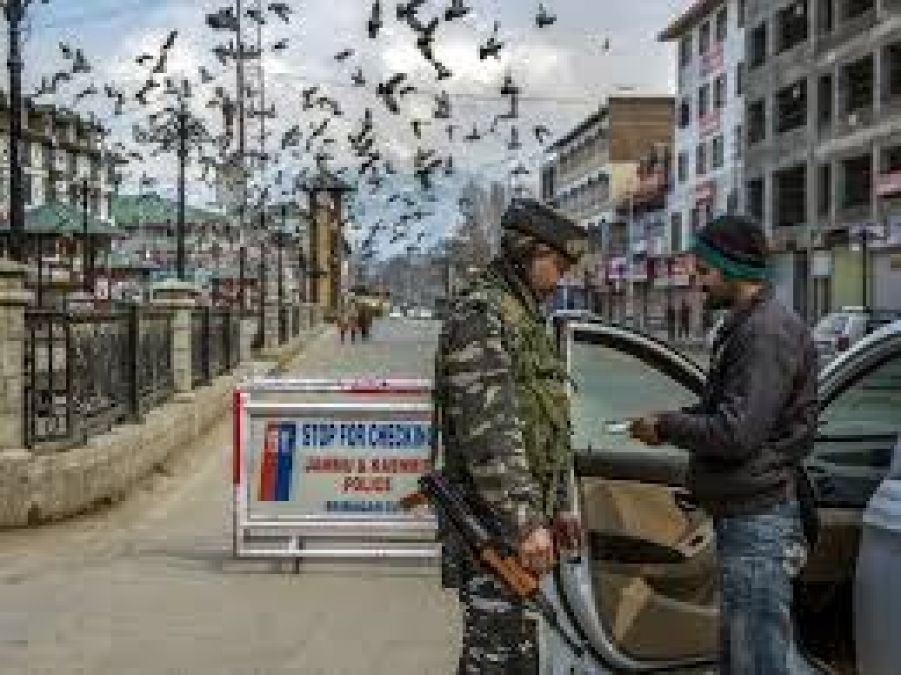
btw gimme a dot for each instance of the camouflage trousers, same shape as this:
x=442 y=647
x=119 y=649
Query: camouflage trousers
x=498 y=638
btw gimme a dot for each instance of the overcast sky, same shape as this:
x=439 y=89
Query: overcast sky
x=562 y=70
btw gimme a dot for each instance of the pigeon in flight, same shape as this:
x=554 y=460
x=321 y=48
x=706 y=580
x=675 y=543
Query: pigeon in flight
x=474 y=135
x=358 y=79
x=544 y=18
x=170 y=40
x=457 y=10
x=386 y=91
x=81 y=64
x=406 y=12
x=442 y=106
x=493 y=46
x=375 y=20
x=344 y=55
x=281 y=45
x=205 y=76
x=281 y=10
x=541 y=132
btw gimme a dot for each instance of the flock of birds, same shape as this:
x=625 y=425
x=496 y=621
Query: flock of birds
x=163 y=98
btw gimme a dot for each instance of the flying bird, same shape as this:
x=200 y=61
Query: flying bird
x=544 y=18
x=144 y=58
x=81 y=64
x=281 y=10
x=344 y=55
x=474 y=135
x=457 y=10
x=409 y=89
x=358 y=79
x=541 y=132
x=205 y=76
x=66 y=50
x=170 y=40
x=375 y=20
x=386 y=91
x=406 y=12
x=442 y=106
x=515 y=143
x=281 y=45
x=493 y=46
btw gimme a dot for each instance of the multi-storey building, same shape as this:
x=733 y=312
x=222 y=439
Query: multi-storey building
x=707 y=159
x=823 y=158
x=61 y=155
x=590 y=170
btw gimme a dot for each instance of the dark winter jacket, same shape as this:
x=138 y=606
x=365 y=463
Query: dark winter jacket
x=757 y=416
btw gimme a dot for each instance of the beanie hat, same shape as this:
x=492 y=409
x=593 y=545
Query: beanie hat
x=736 y=245
x=546 y=225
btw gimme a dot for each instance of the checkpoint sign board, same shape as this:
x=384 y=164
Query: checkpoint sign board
x=317 y=460
x=320 y=467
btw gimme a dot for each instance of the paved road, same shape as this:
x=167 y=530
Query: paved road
x=149 y=587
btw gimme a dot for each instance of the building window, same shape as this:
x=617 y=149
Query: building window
x=740 y=78
x=682 y=169
x=703 y=101
x=858 y=77
x=25 y=153
x=756 y=122
x=858 y=181
x=791 y=25
x=791 y=107
x=891 y=62
x=695 y=220
x=754 y=199
x=719 y=92
x=826 y=17
x=718 y=152
x=824 y=196
x=741 y=13
x=27 y=189
x=790 y=188
x=701 y=160
x=891 y=159
x=824 y=100
x=704 y=38
x=722 y=20
x=684 y=113
x=757 y=46
x=739 y=141
x=685 y=51
x=854 y=8
x=675 y=232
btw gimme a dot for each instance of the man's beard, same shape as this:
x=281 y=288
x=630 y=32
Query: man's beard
x=714 y=301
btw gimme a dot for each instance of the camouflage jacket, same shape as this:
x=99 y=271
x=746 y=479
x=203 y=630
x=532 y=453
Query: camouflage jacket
x=501 y=389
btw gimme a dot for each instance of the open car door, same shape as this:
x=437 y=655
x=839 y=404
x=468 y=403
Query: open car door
x=645 y=597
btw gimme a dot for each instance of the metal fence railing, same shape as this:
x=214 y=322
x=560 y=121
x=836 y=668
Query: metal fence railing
x=85 y=372
x=78 y=374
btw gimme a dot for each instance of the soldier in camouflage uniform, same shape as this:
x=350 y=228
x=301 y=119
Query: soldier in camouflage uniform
x=504 y=418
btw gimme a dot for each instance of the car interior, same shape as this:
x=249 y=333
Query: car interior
x=653 y=552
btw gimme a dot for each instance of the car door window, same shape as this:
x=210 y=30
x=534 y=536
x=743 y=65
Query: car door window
x=858 y=432
x=612 y=386
x=652 y=557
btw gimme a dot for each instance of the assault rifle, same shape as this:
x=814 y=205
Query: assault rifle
x=497 y=554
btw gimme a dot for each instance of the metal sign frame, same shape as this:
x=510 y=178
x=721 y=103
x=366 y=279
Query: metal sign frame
x=326 y=536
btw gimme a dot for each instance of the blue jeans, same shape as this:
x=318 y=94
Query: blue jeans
x=758 y=557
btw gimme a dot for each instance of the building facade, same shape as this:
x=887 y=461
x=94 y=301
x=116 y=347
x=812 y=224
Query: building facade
x=62 y=154
x=707 y=158
x=823 y=157
x=588 y=173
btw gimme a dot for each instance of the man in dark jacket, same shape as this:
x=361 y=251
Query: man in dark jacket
x=754 y=424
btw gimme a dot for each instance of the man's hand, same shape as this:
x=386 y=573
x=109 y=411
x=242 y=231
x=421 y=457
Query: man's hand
x=536 y=551
x=644 y=429
x=568 y=533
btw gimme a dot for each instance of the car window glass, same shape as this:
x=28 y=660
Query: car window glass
x=858 y=432
x=611 y=386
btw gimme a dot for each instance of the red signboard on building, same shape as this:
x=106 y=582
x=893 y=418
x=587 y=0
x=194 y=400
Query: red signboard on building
x=713 y=60
x=888 y=183
x=710 y=123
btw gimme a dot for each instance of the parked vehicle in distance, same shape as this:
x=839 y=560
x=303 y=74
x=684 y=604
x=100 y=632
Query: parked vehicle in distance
x=396 y=313
x=838 y=331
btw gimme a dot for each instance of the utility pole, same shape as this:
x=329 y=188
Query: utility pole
x=182 y=161
x=85 y=255
x=262 y=277
x=14 y=13
x=242 y=141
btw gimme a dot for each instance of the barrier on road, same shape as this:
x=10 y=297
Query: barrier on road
x=321 y=464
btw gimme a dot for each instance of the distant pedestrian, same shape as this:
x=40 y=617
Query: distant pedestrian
x=684 y=321
x=364 y=319
x=671 y=323
x=344 y=323
x=754 y=425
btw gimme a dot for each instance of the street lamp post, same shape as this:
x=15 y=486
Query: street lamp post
x=14 y=15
